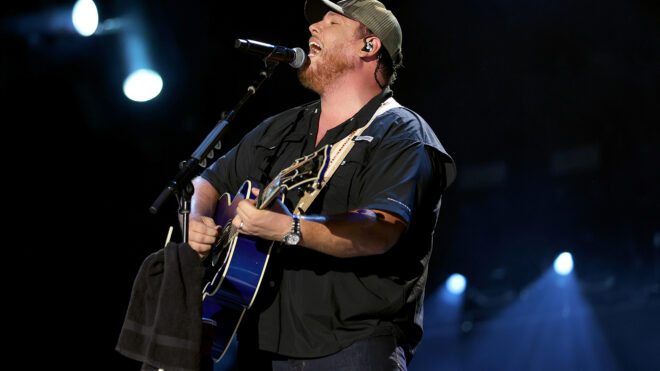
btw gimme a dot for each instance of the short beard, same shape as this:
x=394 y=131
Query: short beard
x=334 y=65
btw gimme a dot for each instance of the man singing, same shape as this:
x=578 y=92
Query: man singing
x=344 y=286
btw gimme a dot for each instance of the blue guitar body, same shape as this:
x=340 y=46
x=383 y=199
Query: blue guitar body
x=233 y=289
x=238 y=261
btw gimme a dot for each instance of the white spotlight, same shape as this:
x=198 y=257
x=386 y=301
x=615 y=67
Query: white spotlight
x=85 y=17
x=456 y=284
x=564 y=263
x=143 y=85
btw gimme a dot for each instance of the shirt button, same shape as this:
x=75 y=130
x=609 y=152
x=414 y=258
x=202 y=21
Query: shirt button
x=271 y=283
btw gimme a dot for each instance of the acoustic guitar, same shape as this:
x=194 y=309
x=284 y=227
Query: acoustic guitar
x=239 y=261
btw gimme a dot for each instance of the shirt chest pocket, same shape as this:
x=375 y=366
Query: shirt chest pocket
x=275 y=154
x=345 y=187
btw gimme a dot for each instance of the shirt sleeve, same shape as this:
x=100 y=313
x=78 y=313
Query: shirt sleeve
x=399 y=174
x=229 y=172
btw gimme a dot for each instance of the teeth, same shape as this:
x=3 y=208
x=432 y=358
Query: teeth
x=314 y=47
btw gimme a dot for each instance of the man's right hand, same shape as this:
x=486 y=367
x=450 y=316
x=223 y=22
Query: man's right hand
x=202 y=234
x=202 y=230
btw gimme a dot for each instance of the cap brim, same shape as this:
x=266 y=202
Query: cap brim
x=315 y=9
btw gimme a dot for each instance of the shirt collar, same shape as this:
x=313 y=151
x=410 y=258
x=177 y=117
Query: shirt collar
x=357 y=121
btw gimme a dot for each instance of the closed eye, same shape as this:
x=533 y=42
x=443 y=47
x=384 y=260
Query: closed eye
x=334 y=18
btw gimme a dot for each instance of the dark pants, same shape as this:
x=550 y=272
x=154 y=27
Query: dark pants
x=374 y=354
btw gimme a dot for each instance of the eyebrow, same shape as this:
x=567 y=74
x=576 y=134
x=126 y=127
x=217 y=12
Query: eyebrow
x=333 y=14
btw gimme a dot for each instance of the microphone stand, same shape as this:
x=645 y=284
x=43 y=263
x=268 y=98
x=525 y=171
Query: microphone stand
x=181 y=187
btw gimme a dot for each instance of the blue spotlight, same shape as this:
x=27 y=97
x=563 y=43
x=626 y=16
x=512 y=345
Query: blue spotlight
x=564 y=263
x=85 y=17
x=456 y=284
x=143 y=85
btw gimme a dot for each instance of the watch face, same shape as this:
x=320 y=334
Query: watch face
x=292 y=239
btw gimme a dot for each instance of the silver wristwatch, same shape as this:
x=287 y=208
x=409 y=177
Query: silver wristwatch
x=293 y=237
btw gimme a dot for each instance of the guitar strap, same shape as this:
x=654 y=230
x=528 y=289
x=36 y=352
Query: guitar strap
x=337 y=154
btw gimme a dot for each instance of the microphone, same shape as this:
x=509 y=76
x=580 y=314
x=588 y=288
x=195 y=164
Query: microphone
x=296 y=56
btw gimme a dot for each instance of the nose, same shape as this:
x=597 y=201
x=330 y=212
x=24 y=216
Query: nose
x=314 y=28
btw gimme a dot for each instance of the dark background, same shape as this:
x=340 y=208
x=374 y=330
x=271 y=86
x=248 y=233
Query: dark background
x=550 y=109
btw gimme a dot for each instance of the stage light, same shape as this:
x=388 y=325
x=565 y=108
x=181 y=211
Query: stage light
x=564 y=263
x=143 y=85
x=85 y=17
x=456 y=284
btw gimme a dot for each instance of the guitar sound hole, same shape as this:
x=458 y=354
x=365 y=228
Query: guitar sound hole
x=221 y=247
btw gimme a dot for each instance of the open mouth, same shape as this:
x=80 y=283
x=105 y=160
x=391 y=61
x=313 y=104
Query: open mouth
x=314 y=49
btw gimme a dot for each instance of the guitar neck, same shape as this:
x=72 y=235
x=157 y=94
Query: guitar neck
x=268 y=194
x=305 y=170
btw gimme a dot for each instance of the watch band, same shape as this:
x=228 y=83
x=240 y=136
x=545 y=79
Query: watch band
x=294 y=236
x=295 y=226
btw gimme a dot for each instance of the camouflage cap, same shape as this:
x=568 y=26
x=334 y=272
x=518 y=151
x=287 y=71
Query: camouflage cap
x=371 y=13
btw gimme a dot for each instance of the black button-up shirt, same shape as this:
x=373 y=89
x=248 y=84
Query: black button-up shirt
x=311 y=304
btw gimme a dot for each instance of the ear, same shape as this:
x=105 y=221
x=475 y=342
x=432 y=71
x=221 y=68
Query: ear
x=371 y=46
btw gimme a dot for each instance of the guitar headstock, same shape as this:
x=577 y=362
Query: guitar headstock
x=305 y=171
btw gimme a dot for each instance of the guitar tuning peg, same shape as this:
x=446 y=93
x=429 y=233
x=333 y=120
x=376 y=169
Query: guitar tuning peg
x=203 y=163
x=210 y=155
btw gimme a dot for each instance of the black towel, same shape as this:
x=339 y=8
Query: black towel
x=163 y=323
